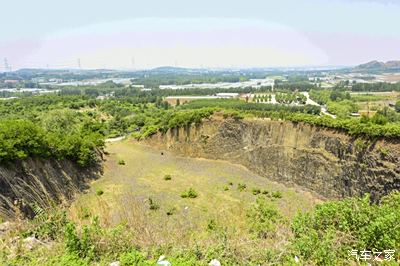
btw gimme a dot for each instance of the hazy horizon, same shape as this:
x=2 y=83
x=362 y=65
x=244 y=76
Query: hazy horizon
x=255 y=34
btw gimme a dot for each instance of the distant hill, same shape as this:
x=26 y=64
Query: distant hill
x=377 y=65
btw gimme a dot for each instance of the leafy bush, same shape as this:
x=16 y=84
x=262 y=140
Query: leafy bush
x=99 y=192
x=241 y=187
x=190 y=193
x=81 y=246
x=276 y=194
x=326 y=235
x=263 y=217
x=153 y=205
x=256 y=191
x=121 y=162
x=167 y=177
x=134 y=258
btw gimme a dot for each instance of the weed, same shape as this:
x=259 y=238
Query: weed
x=167 y=177
x=191 y=193
x=256 y=191
x=153 y=205
x=276 y=194
x=121 y=162
x=241 y=187
x=171 y=211
x=99 y=192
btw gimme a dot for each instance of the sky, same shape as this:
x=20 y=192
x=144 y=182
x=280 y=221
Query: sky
x=131 y=34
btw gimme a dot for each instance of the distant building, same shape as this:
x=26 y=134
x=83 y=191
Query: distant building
x=11 y=81
x=227 y=95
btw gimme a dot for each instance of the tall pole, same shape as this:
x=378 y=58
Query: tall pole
x=6 y=65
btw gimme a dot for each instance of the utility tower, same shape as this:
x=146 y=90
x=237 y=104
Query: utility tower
x=6 y=65
x=79 y=63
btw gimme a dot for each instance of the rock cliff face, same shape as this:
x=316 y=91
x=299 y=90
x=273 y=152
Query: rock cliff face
x=40 y=182
x=329 y=162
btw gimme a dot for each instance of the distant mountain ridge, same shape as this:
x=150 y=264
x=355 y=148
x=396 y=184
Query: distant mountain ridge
x=378 y=65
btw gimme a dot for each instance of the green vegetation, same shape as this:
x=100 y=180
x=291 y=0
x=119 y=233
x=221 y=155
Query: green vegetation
x=276 y=194
x=167 y=177
x=326 y=235
x=153 y=205
x=370 y=97
x=291 y=97
x=263 y=218
x=342 y=109
x=241 y=187
x=243 y=106
x=190 y=193
x=154 y=81
x=379 y=86
x=325 y=96
x=121 y=162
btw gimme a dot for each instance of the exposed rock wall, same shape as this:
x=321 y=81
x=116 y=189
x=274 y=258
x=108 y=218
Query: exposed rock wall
x=326 y=161
x=41 y=182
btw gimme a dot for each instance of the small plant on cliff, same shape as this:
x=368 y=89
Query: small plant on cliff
x=167 y=177
x=190 y=193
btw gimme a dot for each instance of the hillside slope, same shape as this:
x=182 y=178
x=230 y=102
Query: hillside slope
x=40 y=182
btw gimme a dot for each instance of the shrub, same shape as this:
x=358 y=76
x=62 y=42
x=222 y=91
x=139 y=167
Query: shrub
x=134 y=257
x=256 y=191
x=99 y=192
x=241 y=187
x=226 y=188
x=191 y=193
x=121 y=162
x=212 y=225
x=276 y=194
x=334 y=228
x=171 y=211
x=263 y=217
x=167 y=177
x=153 y=205
x=78 y=245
